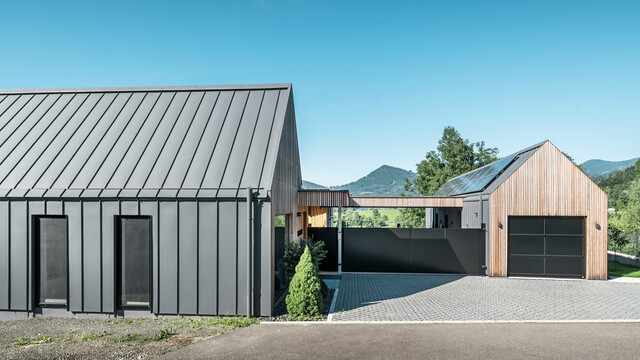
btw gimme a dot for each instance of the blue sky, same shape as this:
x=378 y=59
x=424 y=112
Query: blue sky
x=375 y=82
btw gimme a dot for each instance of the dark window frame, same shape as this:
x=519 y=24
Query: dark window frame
x=35 y=262
x=118 y=263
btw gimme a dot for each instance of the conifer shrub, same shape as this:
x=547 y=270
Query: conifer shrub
x=305 y=299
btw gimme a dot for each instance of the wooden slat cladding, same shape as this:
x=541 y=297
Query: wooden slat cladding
x=317 y=216
x=323 y=198
x=548 y=184
x=287 y=178
x=342 y=198
x=406 y=202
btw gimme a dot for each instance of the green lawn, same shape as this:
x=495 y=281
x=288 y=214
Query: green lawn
x=617 y=269
x=391 y=213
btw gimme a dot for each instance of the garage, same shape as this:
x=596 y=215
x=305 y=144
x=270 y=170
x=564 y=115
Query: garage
x=549 y=246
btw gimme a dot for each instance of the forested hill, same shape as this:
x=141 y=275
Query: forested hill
x=617 y=185
x=311 y=185
x=384 y=181
x=599 y=169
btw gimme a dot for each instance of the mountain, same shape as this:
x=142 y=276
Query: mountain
x=383 y=181
x=598 y=169
x=311 y=185
x=617 y=184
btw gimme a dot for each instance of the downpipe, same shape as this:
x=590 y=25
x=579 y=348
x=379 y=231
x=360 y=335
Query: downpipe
x=249 y=249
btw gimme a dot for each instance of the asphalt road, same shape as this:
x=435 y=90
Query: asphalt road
x=422 y=341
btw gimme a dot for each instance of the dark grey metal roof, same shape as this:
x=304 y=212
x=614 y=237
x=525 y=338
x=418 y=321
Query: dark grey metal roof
x=196 y=141
x=487 y=178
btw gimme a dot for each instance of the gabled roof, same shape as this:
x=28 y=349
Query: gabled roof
x=487 y=178
x=194 y=141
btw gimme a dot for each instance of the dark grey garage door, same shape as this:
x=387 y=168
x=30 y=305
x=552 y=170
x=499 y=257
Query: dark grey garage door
x=546 y=246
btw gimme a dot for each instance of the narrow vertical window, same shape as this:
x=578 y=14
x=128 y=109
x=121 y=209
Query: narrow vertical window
x=134 y=275
x=51 y=264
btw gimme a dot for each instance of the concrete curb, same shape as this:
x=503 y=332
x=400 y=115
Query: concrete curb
x=605 y=321
x=333 y=305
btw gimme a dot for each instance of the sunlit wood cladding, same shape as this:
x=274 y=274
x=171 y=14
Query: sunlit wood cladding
x=323 y=198
x=406 y=202
x=317 y=216
x=549 y=184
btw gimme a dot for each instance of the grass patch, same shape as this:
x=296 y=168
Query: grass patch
x=134 y=331
x=27 y=340
x=618 y=269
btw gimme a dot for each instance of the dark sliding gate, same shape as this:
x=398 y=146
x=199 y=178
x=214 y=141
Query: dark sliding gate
x=458 y=251
x=330 y=238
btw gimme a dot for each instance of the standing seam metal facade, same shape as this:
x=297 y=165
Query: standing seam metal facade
x=182 y=155
x=199 y=265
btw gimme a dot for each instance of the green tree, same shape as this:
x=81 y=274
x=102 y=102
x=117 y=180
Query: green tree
x=375 y=213
x=617 y=186
x=631 y=215
x=454 y=156
x=617 y=240
x=355 y=219
x=305 y=296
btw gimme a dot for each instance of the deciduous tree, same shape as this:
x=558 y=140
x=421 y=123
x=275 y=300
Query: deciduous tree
x=454 y=156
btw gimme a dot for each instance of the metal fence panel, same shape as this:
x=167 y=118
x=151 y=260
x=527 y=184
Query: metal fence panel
x=330 y=238
x=376 y=250
x=458 y=251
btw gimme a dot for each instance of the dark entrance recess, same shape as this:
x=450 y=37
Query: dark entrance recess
x=546 y=246
x=51 y=261
x=134 y=262
x=457 y=251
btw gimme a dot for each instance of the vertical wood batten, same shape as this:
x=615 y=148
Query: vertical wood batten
x=548 y=184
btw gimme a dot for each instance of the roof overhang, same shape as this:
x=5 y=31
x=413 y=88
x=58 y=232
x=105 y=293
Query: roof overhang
x=342 y=198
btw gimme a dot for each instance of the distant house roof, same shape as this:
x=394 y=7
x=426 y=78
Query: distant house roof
x=195 y=141
x=487 y=178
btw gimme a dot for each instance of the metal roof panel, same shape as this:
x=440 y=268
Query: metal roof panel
x=132 y=142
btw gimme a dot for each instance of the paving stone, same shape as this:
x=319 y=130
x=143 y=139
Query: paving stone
x=426 y=297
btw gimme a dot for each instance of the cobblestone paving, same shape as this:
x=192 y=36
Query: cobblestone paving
x=421 y=297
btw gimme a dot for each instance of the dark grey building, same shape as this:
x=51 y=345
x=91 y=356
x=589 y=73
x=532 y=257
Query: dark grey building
x=136 y=200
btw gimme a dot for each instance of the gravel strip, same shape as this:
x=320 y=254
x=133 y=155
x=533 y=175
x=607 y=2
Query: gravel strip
x=120 y=338
x=280 y=311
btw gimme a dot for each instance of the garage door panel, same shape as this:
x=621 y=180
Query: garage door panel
x=564 y=245
x=526 y=265
x=564 y=266
x=560 y=226
x=531 y=225
x=546 y=246
x=526 y=244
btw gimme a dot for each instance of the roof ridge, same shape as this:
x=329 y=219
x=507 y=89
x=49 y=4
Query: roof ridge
x=146 y=89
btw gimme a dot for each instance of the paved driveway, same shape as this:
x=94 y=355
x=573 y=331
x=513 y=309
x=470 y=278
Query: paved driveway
x=422 y=297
